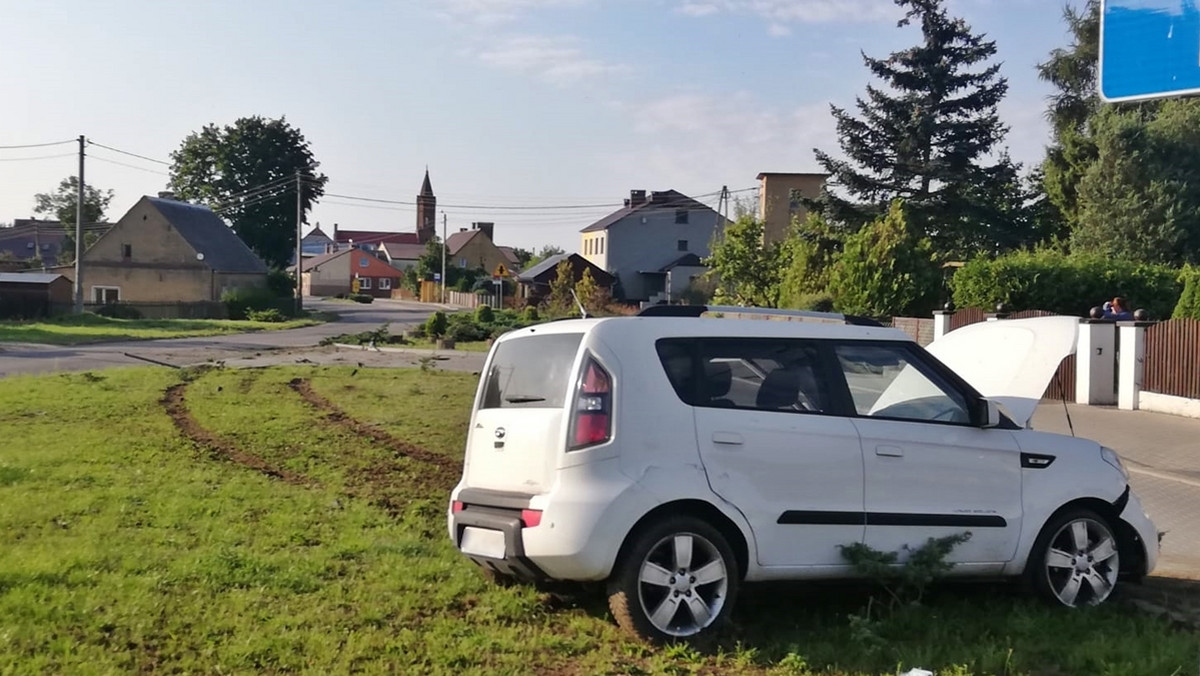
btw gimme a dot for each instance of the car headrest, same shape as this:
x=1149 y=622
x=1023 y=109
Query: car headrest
x=780 y=389
x=719 y=378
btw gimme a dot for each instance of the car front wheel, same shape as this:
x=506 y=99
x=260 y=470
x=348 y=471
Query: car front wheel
x=678 y=580
x=1075 y=561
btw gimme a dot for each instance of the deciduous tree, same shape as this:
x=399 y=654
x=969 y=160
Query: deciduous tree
x=61 y=204
x=247 y=172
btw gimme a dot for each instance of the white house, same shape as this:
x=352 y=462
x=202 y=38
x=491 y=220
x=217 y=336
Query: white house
x=653 y=245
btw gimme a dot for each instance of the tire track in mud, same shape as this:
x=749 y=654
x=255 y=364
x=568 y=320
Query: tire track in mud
x=443 y=472
x=175 y=402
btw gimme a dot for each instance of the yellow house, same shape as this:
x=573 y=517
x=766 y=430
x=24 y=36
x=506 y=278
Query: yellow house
x=474 y=248
x=166 y=251
x=780 y=199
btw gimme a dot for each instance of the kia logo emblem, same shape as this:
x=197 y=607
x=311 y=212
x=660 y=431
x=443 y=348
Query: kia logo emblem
x=500 y=432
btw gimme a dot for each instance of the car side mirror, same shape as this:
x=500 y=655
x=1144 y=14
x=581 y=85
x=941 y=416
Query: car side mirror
x=989 y=414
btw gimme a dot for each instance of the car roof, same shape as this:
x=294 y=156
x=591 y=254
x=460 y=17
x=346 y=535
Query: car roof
x=616 y=329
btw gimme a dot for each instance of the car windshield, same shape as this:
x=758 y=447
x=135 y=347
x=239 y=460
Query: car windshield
x=531 y=371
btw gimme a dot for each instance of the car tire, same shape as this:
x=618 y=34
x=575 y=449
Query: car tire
x=677 y=580
x=1075 y=560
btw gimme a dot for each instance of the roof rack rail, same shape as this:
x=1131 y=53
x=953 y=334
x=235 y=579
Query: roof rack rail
x=694 y=311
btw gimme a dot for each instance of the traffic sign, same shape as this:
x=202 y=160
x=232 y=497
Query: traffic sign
x=437 y=276
x=1149 y=49
x=500 y=271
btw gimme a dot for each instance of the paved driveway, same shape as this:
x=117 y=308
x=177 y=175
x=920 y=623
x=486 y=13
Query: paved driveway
x=353 y=318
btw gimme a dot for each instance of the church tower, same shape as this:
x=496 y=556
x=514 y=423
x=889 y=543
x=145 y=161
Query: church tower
x=426 y=212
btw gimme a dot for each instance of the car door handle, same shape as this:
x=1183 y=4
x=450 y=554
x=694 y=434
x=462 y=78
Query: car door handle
x=727 y=438
x=889 y=451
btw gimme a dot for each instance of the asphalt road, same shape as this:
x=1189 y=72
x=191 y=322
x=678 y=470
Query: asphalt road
x=17 y=358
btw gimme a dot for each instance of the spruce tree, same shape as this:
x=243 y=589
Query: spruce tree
x=929 y=135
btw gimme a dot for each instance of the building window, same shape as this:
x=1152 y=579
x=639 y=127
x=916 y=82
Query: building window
x=588 y=246
x=601 y=243
x=681 y=215
x=103 y=295
x=127 y=251
x=462 y=263
x=363 y=262
x=795 y=199
x=364 y=283
x=681 y=245
x=385 y=284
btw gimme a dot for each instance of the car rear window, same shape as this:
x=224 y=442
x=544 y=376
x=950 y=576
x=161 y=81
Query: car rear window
x=531 y=372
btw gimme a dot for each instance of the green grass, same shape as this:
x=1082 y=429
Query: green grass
x=89 y=328
x=129 y=549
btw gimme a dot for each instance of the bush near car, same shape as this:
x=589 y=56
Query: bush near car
x=1065 y=284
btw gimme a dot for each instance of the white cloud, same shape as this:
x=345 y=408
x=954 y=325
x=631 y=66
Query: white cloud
x=782 y=12
x=778 y=30
x=487 y=12
x=693 y=140
x=558 y=59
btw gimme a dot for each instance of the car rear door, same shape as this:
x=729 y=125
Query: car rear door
x=773 y=447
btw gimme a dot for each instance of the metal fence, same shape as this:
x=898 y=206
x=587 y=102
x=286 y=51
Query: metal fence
x=1173 y=358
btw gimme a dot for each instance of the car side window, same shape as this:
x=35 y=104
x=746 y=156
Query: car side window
x=889 y=381
x=761 y=374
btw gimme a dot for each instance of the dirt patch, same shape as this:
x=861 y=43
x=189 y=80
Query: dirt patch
x=1175 y=600
x=389 y=485
x=338 y=417
x=174 y=401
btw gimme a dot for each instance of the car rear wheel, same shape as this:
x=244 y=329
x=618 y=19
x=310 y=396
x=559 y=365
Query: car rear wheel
x=1076 y=560
x=678 y=580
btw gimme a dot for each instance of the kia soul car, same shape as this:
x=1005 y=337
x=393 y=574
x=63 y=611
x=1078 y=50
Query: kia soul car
x=676 y=457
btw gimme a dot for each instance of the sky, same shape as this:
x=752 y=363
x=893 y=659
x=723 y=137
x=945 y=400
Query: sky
x=509 y=103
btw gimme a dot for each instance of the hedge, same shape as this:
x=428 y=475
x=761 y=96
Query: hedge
x=1065 y=284
x=1189 y=303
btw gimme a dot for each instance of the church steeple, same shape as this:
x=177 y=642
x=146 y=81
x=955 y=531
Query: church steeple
x=426 y=211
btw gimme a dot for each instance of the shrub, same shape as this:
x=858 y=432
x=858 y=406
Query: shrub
x=362 y=298
x=281 y=284
x=269 y=315
x=239 y=302
x=467 y=332
x=1188 y=306
x=435 y=326
x=484 y=314
x=1067 y=284
x=417 y=332
x=817 y=302
x=118 y=311
x=530 y=314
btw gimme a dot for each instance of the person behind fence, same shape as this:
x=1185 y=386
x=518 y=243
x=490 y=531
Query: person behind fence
x=1118 y=310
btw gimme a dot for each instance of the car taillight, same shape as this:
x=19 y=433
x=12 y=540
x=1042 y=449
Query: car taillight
x=456 y=507
x=591 y=421
x=530 y=518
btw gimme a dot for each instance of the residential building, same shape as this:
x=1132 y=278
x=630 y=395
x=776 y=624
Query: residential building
x=475 y=248
x=37 y=242
x=167 y=251
x=316 y=243
x=402 y=256
x=781 y=199
x=334 y=273
x=510 y=254
x=653 y=245
x=535 y=282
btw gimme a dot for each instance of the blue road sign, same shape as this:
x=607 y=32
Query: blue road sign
x=1149 y=49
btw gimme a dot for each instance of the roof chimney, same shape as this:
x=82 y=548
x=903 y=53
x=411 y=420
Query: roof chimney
x=636 y=197
x=166 y=195
x=487 y=228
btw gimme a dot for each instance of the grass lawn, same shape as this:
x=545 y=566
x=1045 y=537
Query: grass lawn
x=292 y=520
x=89 y=328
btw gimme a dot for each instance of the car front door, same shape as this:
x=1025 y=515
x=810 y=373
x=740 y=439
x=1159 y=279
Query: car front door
x=930 y=472
x=773 y=449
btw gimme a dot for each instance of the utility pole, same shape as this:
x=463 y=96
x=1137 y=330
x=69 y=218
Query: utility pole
x=79 y=233
x=299 y=219
x=443 y=258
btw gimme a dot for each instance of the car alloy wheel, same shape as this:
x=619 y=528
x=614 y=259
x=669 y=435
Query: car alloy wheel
x=678 y=582
x=1080 y=561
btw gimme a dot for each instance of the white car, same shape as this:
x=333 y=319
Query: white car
x=677 y=456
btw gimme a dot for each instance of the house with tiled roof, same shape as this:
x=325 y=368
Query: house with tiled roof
x=338 y=273
x=653 y=245
x=475 y=248
x=38 y=243
x=167 y=251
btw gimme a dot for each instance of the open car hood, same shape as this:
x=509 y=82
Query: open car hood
x=1009 y=361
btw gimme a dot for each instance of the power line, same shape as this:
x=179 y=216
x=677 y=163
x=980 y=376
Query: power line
x=38 y=145
x=126 y=152
x=130 y=166
x=40 y=157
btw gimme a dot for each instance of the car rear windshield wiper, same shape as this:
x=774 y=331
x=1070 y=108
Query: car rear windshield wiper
x=523 y=399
